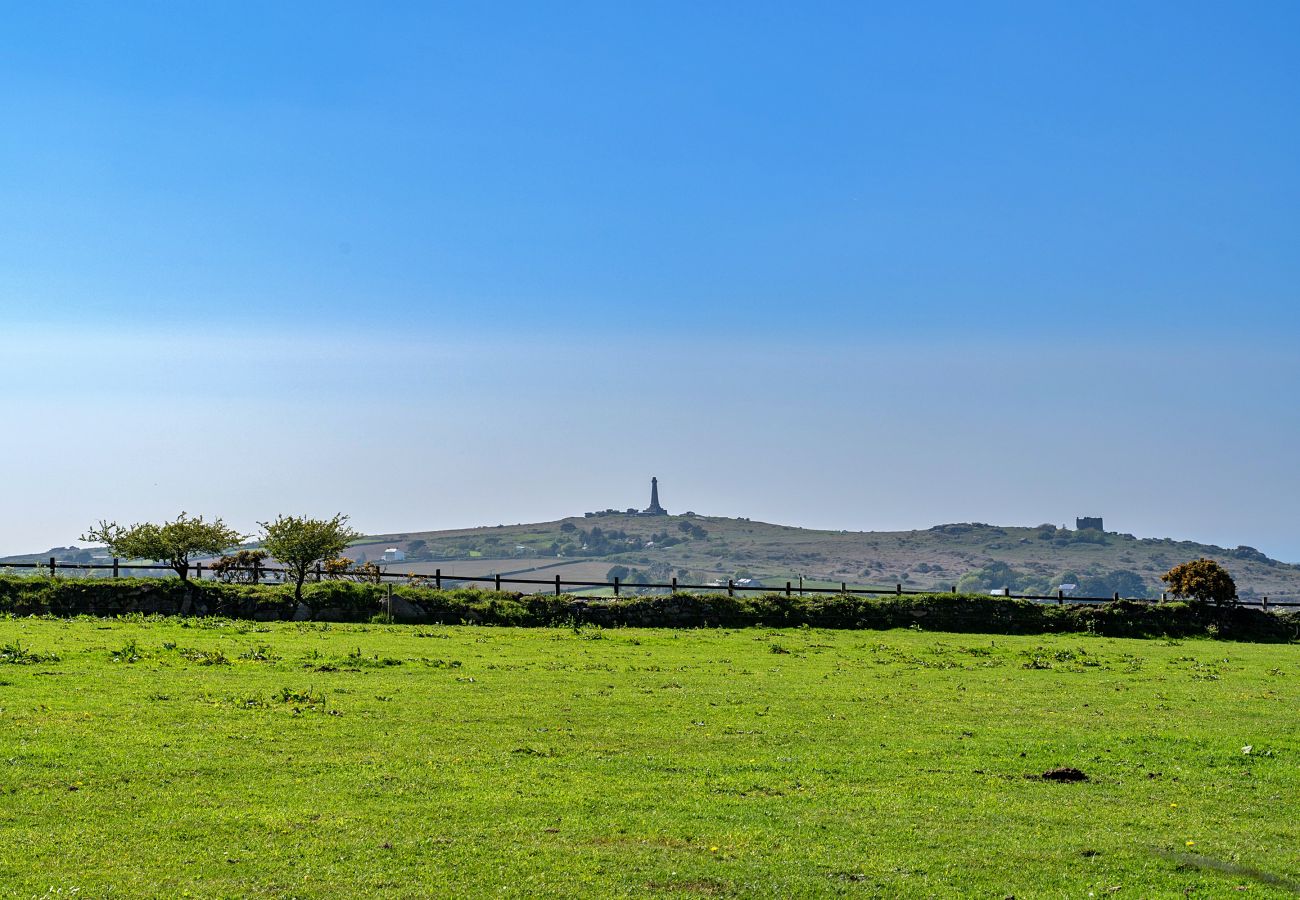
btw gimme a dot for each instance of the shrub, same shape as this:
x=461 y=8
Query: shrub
x=241 y=567
x=1203 y=580
x=341 y=568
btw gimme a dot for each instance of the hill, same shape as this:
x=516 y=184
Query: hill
x=699 y=549
x=974 y=556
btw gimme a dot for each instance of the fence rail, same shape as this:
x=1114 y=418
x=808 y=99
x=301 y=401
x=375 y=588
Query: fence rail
x=559 y=584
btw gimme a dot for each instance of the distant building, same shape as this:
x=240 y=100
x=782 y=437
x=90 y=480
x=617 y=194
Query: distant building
x=654 y=509
x=1088 y=524
x=392 y=554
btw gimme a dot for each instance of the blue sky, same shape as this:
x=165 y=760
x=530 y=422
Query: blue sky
x=843 y=265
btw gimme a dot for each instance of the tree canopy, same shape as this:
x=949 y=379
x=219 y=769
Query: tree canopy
x=299 y=542
x=172 y=542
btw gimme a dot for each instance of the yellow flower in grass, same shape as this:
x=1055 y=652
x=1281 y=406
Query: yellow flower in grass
x=1191 y=843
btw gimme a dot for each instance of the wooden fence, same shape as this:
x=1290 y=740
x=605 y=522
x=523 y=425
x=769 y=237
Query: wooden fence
x=439 y=581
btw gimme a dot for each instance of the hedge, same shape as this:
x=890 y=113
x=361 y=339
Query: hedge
x=346 y=601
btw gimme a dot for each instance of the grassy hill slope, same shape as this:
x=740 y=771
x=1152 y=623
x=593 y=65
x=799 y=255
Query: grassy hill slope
x=700 y=549
x=703 y=548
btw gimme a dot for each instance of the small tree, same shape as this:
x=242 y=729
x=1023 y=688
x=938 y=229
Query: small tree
x=172 y=543
x=1202 y=579
x=299 y=543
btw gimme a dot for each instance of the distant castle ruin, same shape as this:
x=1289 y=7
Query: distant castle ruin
x=1088 y=524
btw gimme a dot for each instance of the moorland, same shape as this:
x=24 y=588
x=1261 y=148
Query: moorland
x=972 y=556
x=703 y=549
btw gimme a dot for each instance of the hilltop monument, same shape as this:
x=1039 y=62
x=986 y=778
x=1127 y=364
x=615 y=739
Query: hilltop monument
x=654 y=509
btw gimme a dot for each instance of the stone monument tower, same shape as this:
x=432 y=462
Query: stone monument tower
x=654 y=509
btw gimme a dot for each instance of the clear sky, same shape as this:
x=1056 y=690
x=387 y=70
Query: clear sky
x=845 y=265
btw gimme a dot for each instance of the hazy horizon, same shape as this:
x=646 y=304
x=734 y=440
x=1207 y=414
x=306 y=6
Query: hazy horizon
x=842 y=267
x=913 y=447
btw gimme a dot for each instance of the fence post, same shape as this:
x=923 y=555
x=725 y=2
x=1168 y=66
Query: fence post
x=198 y=571
x=52 y=564
x=1116 y=596
x=1162 y=596
x=116 y=569
x=787 y=589
x=954 y=588
x=615 y=585
x=674 y=584
x=1006 y=592
x=844 y=587
x=498 y=582
x=437 y=578
x=731 y=586
x=1266 y=601
x=256 y=571
x=317 y=572
x=557 y=585
x=898 y=589
x=1060 y=597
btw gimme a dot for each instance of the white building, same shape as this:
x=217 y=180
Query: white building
x=392 y=554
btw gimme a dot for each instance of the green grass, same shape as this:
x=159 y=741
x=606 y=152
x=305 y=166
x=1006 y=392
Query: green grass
x=155 y=758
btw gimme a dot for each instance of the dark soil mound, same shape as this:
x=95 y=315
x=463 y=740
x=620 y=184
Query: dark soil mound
x=1064 y=773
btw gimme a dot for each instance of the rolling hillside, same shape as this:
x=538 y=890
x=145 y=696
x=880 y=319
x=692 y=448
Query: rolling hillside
x=702 y=549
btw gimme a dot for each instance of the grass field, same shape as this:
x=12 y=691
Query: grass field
x=215 y=759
